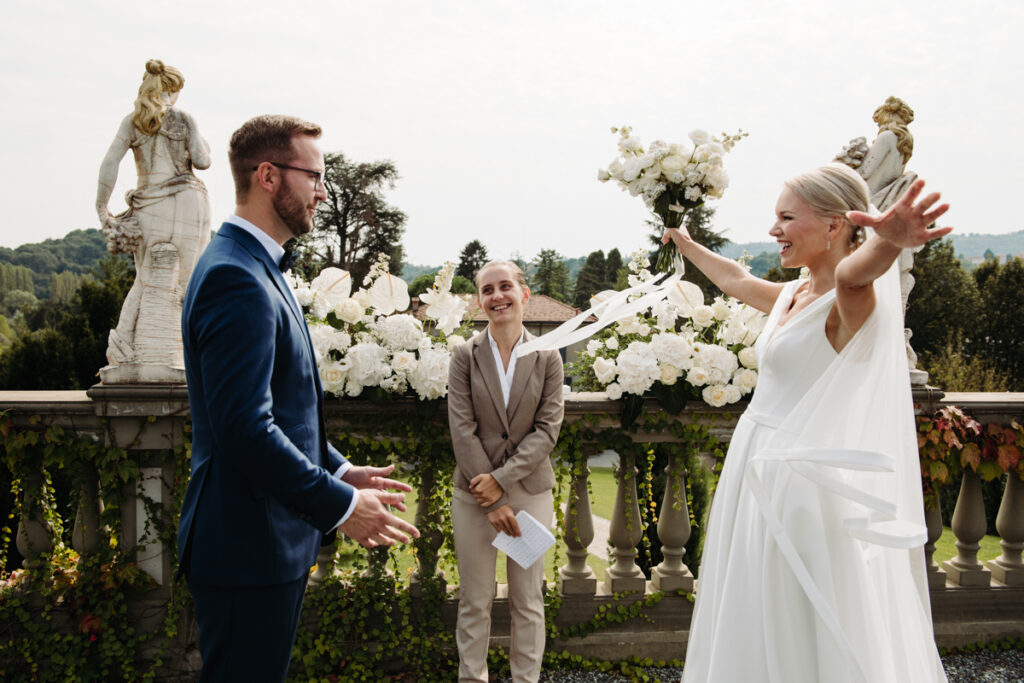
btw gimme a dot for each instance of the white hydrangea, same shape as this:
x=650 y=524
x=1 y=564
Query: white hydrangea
x=400 y=331
x=638 y=368
x=369 y=364
x=429 y=379
x=673 y=349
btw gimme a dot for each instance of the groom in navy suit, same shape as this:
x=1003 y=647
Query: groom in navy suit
x=266 y=485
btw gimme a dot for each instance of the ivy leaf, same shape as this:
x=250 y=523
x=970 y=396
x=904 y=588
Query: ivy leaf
x=971 y=455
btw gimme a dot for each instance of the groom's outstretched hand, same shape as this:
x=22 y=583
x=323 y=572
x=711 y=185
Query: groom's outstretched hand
x=371 y=524
x=368 y=477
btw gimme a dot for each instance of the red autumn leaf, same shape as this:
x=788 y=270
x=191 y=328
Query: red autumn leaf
x=971 y=455
x=90 y=623
x=1009 y=456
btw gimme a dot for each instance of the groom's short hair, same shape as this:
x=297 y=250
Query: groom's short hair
x=264 y=138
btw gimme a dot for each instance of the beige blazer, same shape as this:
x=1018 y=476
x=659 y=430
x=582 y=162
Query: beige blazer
x=514 y=445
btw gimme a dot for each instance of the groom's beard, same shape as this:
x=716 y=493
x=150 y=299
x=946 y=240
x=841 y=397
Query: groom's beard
x=292 y=211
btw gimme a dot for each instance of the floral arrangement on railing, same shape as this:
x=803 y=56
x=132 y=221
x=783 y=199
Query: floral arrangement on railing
x=678 y=349
x=671 y=177
x=364 y=339
x=951 y=441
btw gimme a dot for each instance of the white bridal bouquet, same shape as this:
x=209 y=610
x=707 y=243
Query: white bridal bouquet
x=364 y=340
x=680 y=348
x=671 y=177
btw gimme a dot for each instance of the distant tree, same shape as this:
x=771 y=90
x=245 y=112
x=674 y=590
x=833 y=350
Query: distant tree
x=7 y=335
x=591 y=279
x=612 y=265
x=989 y=256
x=355 y=223
x=471 y=259
x=780 y=274
x=1001 y=326
x=550 y=275
x=17 y=299
x=460 y=285
x=63 y=286
x=67 y=343
x=698 y=222
x=14 y=277
x=944 y=303
x=953 y=369
x=524 y=265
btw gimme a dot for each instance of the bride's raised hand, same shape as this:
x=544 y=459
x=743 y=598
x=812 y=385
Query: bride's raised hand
x=905 y=223
x=677 y=235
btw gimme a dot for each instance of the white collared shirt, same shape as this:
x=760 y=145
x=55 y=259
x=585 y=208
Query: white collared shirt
x=504 y=375
x=276 y=252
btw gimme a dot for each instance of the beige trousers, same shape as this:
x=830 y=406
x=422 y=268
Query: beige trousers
x=477 y=560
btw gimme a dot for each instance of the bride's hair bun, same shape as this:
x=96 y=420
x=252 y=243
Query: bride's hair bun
x=155 y=67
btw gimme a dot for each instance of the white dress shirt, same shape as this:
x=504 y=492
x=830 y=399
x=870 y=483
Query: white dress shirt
x=504 y=375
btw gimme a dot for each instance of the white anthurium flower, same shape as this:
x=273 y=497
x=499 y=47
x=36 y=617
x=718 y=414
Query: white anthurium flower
x=446 y=308
x=388 y=294
x=333 y=281
x=686 y=297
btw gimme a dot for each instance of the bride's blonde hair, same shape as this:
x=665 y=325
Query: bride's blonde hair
x=832 y=190
x=149 y=108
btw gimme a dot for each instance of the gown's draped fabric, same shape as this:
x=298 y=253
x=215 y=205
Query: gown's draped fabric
x=813 y=568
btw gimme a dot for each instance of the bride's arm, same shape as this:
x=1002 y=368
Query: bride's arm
x=904 y=225
x=728 y=275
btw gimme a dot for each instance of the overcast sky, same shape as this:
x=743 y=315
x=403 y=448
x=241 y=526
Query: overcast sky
x=497 y=114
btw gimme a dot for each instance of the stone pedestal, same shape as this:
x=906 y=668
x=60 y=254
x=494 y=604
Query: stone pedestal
x=147 y=421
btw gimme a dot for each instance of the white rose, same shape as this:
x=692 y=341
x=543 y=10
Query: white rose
x=715 y=395
x=403 y=362
x=745 y=380
x=748 y=357
x=332 y=377
x=614 y=391
x=604 y=370
x=454 y=340
x=669 y=374
x=700 y=137
x=631 y=169
x=697 y=376
x=643 y=329
x=612 y=343
x=702 y=316
x=593 y=346
x=732 y=394
x=349 y=310
x=720 y=309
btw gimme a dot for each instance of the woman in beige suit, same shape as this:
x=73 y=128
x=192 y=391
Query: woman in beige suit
x=504 y=413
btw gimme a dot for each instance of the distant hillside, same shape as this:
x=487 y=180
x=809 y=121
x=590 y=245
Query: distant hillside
x=77 y=252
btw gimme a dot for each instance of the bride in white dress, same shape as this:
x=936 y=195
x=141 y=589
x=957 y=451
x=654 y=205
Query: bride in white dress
x=813 y=569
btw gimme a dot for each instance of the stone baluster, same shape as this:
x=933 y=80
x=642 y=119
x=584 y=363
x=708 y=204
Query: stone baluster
x=34 y=534
x=85 y=537
x=969 y=528
x=576 y=577
x=429 y=522
x=1008 y=568
x=626 y=530
x=377 y=563
x=324 y=563
x=673 y=528
x=933 y=520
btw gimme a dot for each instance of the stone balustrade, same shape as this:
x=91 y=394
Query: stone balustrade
x=972 y=601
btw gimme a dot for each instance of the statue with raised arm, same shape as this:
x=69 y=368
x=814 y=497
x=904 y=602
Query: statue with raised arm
x=165 y=228
x=883 y=166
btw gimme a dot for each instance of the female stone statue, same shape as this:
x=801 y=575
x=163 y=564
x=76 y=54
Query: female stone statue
x=166 y=227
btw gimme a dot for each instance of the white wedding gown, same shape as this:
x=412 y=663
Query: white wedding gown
x=812 y=567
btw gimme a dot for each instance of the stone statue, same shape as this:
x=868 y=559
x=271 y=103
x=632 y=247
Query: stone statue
x=166 y=228
x=883 y=166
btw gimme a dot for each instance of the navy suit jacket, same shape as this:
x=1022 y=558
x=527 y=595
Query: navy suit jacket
x=262 y=492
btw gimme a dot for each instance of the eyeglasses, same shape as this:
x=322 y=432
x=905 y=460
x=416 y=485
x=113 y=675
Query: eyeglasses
x=318 y=176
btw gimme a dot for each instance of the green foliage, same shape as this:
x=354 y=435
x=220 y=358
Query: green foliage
x=355 y=223
x=590 y=280
x=76 y=252
x=944 y=303
x=460 y=285
x=63 y=287
x=1001 y=328
x=954 y=369
x=67 y=344
x=16 y=300
x=471 y=259
x=550 y=275
x=14 y=277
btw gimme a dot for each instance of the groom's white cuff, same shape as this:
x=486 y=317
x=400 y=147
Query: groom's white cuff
x=339 y=473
